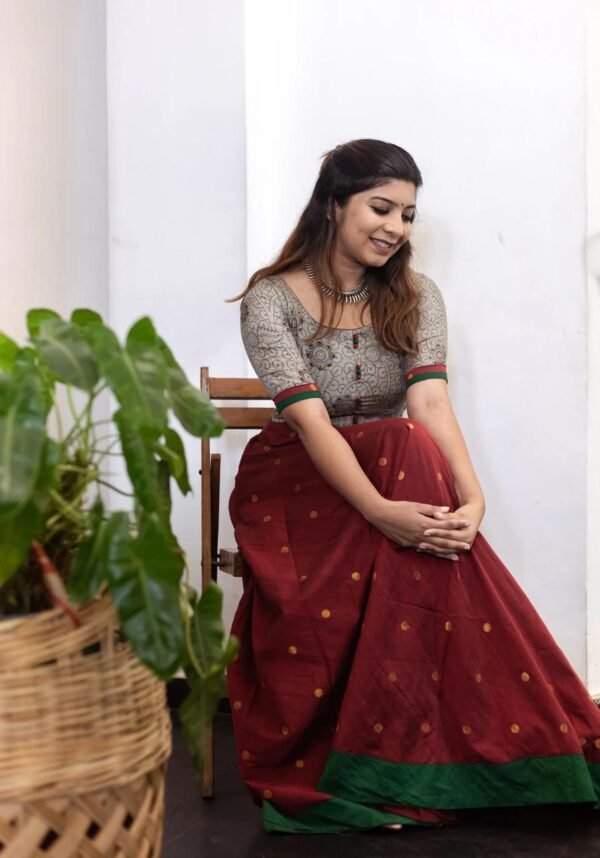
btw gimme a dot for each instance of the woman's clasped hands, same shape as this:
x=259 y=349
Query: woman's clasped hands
x=429 y=528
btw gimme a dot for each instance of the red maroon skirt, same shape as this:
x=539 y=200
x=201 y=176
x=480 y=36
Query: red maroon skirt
x=376 y=684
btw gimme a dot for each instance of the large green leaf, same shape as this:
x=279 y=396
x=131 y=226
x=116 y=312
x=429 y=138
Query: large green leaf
x=196 y=710
x=138 y=389
x=143 y=347
x=207 y=630
x=194 y=410
x=144 y=577
x=206 y=672
x=27 y=361
x=8 y=352
x=173 y=453
x=36 y=317
x=89 y=565
x=22 y=436
x=164 y=491
x=7 y=392
x=17 y=533
x=66 y=354
x=142 y=467
x=84 y=317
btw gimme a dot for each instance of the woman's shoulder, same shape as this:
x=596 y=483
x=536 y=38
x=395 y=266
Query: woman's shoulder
x=267 y=302
x=424 y=283
x=430 y=294
x=267 y=291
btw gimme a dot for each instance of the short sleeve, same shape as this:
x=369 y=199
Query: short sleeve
x=272 y=348
x=432 y=336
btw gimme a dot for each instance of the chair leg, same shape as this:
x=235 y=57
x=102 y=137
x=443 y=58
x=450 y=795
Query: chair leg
x=208 y=764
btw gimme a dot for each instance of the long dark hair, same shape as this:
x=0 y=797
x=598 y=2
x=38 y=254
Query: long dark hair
x=346 y=170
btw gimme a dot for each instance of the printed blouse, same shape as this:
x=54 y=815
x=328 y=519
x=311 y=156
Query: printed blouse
x=355 y=376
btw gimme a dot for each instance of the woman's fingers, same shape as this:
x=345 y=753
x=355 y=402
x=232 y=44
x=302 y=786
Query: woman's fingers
x=431 y=509
x=442 y=527
x=443 y=515
x=447 y=544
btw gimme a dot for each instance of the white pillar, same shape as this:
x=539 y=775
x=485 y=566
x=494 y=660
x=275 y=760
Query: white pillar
x=53 y=217
x=178 y=202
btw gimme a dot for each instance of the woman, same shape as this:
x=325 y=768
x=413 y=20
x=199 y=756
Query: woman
x=391 y=670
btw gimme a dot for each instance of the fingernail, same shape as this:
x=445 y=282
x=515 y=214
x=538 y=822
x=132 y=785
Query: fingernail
x=445 y=508
x=428 y=533
x=454 y=557
x=423 y=545
x=466 y=546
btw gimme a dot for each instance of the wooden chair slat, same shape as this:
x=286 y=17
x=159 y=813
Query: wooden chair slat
x=245 y=418
x=237 y=388
x=215 y=493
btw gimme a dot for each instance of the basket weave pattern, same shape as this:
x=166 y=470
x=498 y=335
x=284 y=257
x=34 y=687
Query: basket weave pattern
x=84 y=737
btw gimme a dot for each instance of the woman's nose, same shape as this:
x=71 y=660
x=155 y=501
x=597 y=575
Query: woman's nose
x=395 y=227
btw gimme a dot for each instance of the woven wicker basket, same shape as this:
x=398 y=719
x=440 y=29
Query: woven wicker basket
x=84 y=738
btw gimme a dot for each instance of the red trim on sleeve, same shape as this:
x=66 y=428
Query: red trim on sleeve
x=295 y=394
x=421 y=373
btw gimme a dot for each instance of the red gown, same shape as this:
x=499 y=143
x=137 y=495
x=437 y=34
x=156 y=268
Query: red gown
x=377 y=684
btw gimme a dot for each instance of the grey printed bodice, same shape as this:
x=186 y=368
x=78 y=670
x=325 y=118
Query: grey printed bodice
x=359 y=380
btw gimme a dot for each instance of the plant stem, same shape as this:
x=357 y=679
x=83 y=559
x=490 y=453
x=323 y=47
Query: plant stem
x=76 y=469
x=59 y=423
x=76 y=417
x=114 y=488
x=67 y=509
x=105 y=437
x=107 y=451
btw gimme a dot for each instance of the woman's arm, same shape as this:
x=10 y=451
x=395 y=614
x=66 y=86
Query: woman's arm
x=429 y=403
x=404 y=522
x=274 y=354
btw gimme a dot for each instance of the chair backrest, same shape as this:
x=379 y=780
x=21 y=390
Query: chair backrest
x=238 y=417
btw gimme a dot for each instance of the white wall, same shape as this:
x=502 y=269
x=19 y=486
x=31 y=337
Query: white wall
x=593 y=247
x=53 y=216
x=177 y=198
x=489 y=98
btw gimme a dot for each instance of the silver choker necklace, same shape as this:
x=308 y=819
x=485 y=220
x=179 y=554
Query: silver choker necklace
x=359 y=294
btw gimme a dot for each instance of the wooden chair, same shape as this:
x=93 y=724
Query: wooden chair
x=229 y=560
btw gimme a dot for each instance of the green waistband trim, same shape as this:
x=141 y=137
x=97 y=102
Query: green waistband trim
x=307 y=394
x=533 y=780
x=426 y=375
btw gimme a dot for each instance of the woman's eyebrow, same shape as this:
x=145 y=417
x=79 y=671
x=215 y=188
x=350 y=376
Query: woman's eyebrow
x=392 y=203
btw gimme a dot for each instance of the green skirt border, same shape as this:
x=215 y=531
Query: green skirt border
x=334 y=816
x=360 y=784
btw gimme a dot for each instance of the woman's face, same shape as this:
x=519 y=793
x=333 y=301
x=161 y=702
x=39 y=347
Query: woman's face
x=373 y=224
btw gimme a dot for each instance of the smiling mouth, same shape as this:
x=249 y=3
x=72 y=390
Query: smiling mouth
x=384 y=245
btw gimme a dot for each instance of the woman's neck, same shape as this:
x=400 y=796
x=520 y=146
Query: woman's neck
x=349 y=271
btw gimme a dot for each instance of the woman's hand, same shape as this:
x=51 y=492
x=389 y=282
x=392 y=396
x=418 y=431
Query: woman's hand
x=459 y=528
x=406 y=523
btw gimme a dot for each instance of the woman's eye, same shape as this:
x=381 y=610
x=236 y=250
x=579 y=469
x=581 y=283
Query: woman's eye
x=380 y=211
x=409 y=218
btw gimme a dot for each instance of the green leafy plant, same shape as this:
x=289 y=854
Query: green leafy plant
x=58 y=491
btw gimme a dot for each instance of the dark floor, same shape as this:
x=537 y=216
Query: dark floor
x=229 y=826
